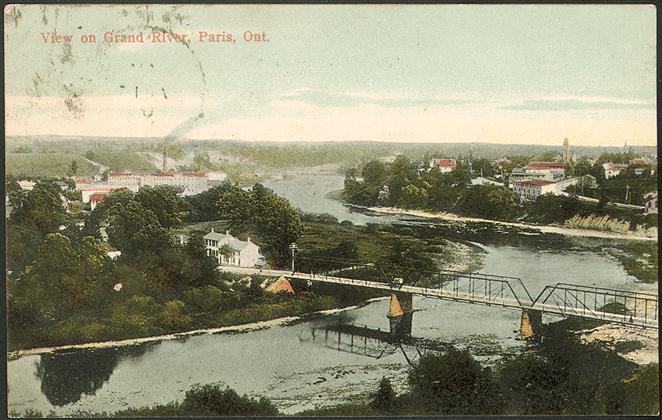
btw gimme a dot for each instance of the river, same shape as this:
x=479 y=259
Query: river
x=289 y=365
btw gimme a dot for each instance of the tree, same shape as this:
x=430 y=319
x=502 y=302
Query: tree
x=164 y=202
x=198 y=268
x=488 y=201
x=407 y=260
x=132 y=229
x=40 y=209
x=583 y=167
x=73 y=168
x=385 y=397
x=210 y=400
x=454 y=383
x=276 y=222
x=204 y=206
x=65 y=276
x=374 y=173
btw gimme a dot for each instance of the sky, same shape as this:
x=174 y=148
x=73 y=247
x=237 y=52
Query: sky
x=420 y=73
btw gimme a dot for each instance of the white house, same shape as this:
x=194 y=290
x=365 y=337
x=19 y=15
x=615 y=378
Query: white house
x=530 y=190
x=242 y=253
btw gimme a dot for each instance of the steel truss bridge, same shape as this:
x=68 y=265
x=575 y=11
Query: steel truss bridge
x=562 y=299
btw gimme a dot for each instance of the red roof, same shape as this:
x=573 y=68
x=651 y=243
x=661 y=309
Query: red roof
x=546 y=165
x=197 y=174
x=162 y=174
x=119 y=173
x=98 y=197
x=446 y=163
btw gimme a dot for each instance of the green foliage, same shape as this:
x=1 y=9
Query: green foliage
x=618 y=157
x=272 y=218
x=123 y=161
x=134 y=229
x=46 y=165
x=637 y=394
x=408 y=260
x=489 y=202
x=454 y=383
x=163 y=200
x=563 y=376
x=210 y=400
x=385 y=397
x=374 y=172
x=73 y=168
x=550 y=208
x=40 y=209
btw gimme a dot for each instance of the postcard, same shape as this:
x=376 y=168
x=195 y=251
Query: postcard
x=331 y=210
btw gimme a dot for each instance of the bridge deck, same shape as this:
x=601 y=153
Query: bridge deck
x=468 y=296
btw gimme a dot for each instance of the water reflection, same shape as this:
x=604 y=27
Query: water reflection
x=66 y=377
x=372 y=342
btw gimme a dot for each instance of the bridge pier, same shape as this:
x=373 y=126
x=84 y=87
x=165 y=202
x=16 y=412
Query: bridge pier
x=400 y=314
x=531 y=324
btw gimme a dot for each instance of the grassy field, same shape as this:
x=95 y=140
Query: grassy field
x=124 y=161
x=45 y=165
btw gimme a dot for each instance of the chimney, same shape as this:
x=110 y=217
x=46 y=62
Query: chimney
x=249 y=239
x=227 y=232
x=212 y=230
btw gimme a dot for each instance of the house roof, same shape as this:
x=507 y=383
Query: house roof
x=195 y=174
x=229 y=240
x=446 y=163
x=546 y=165
x=98 y=197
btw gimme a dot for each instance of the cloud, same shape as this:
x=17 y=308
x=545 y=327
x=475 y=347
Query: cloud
x=569 y=104
x=325 y=99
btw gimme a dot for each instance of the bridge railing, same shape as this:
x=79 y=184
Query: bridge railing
x=637 y=308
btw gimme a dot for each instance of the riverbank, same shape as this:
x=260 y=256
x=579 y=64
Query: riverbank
x=541 y=228
x=638 y=345
x=240 y=328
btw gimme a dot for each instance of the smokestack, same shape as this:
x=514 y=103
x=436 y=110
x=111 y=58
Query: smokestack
x=165 y=159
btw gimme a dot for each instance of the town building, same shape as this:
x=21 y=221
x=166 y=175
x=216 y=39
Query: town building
x=613 y=169
x=549 y=171
x=530 y=190
x=229 y=250
x=191 y=183
x=444 y=165
x=96 y=199
x=651 y=203
x=87 y=192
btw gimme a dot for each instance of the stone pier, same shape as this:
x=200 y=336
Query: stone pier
x=400 y=313
x=531 y=324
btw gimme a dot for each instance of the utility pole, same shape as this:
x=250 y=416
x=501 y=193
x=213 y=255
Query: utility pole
x=627 y=191
x=293 y=248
